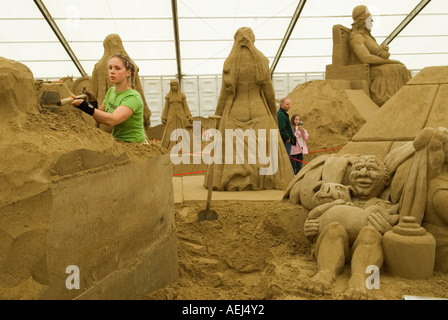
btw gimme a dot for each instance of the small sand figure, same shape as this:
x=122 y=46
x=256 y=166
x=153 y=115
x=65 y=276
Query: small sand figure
x=176 y=114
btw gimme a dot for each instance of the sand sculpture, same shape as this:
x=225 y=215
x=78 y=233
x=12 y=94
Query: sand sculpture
x=357 y=56
x=414 y=212
x=100 y=82
x=55 y=212
x=176 y=114
x=247 y=102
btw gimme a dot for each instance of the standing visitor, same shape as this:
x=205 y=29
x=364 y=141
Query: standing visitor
x=284 y=125
x=300 y=148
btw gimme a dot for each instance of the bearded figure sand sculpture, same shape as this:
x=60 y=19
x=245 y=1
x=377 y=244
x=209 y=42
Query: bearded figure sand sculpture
x=176 y=114
x=247 y=102
x=387 y=76
x=100 y=82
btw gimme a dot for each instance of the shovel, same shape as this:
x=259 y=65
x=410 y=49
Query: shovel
x=51 y=99
x=208 y=214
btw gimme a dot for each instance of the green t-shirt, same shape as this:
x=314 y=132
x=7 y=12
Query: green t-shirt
x=132 y=129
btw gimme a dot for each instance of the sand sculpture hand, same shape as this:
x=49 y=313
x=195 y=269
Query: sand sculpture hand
x=380 y=223
x=90 y=95
x=311 y=229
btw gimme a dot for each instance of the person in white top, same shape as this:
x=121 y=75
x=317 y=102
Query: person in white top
x=300 y=148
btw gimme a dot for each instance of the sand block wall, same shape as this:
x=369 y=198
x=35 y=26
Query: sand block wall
x=76 y=206
x=121 y=237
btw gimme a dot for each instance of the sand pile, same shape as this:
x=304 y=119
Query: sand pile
x=256 y=250
x=329 y=115
x=39 y=149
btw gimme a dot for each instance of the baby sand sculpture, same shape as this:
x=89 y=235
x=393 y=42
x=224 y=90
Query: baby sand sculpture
x=62 y=234
x=176 y=114
x=100 y=82
x=247 y=103
x=357 y=56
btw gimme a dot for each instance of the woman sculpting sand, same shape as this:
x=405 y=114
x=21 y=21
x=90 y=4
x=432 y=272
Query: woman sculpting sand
x=101 y=83
x=176 y=114
x=247 y=102
x=122 y=108
x=387 y=75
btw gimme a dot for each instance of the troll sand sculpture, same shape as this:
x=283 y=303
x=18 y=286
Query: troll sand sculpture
x=387 y=75
x=100 y=82
x=176 y=114
x=356 y=200
x=247 y=102
x=351 y=231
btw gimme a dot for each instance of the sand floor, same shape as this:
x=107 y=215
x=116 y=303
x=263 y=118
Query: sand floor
x=256 y=250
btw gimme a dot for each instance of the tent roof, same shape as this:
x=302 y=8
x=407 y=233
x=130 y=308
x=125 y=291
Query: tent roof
x=205 y=33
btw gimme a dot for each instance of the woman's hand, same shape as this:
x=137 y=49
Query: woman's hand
x=76 y=102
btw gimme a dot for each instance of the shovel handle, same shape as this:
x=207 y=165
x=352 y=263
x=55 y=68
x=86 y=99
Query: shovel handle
x=209 y=187
x=69 y=100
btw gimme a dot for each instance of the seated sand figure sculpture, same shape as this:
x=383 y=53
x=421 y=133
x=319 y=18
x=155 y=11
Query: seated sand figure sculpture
x=420 y=186
x=387 y=75
x=350 y=230
x=247 y=102
x=175 y=115
x=101 y=83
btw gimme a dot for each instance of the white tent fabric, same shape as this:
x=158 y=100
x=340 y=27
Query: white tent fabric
x=206 y=29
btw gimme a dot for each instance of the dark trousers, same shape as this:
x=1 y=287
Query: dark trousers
x=288 y=147
x=296 y=164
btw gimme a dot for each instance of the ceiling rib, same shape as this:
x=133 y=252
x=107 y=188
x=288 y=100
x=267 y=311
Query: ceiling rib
x=176 y=39
x=406 y=21
x=60 y=36
x=294 y=19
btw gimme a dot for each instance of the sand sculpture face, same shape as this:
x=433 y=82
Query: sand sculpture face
x=360 y=15
x=244 y=37
x=369 y=21
x=329 y=191
x=368 y=177
x=174 y=85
